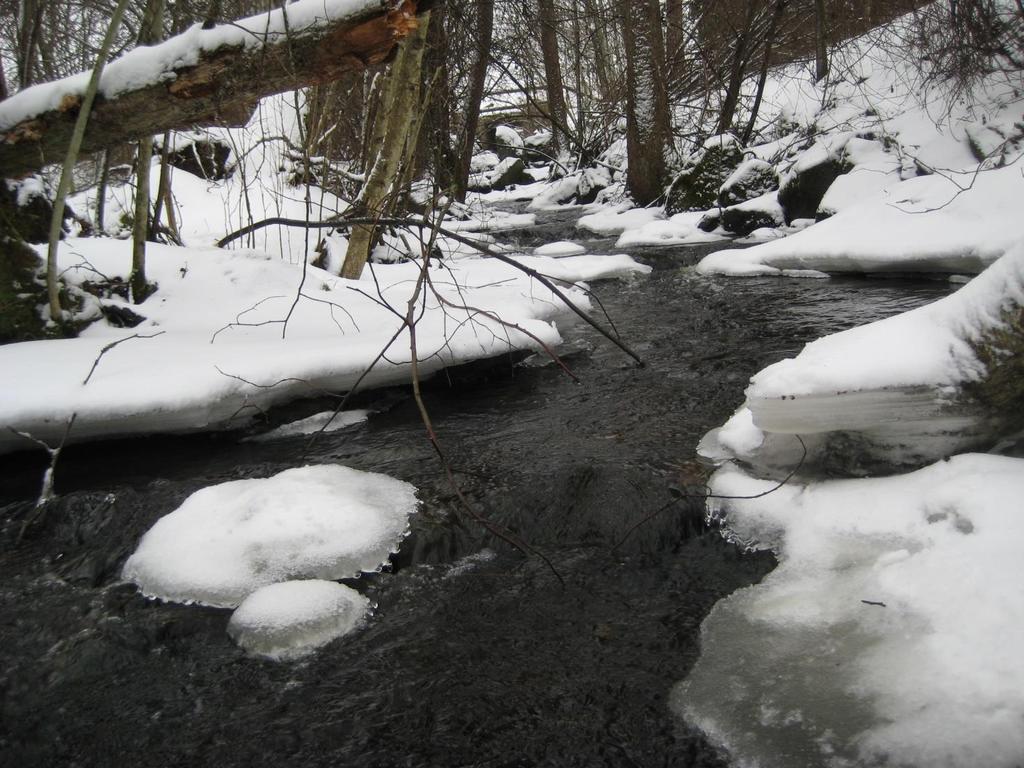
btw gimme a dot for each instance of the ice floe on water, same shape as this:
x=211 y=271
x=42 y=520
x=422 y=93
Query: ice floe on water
x=327 y=421
x=228 y=540
x=890 y=632
x=289 y=620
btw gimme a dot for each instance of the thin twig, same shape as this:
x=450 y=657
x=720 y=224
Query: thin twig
x=113 y=344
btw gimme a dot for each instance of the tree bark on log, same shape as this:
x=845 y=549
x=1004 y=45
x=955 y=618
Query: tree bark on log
x=221 y=89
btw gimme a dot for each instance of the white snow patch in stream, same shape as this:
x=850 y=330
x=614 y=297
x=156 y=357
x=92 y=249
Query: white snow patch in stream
x=290 y=620
x=800 y=671
x=228 y=540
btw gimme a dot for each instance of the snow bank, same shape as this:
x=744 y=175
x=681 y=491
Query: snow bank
x=224 y=350
x=226 y=541
x=957 y=223
x=890 y=391
x=290 y=620
x=890 y=632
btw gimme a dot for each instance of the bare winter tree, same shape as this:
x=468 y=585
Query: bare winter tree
x=152 y=30
x=647 y=116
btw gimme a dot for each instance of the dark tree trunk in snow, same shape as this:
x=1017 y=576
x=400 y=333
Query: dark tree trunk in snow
x=820 y=41
x=647 y=117
x=478 y=79
x=151 y=32
x=552 y=72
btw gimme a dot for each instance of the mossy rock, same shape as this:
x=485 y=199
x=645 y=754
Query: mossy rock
x=509 y=172
x=751 y=179
x=30 y=221
x=696 y=189
x=21 y=292
x=206 y=159
x=742 y=220
x=802 y=193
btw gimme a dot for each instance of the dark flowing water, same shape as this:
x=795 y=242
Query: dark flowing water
x=476 y=655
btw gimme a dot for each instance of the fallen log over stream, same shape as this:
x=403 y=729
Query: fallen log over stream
x=204 y=77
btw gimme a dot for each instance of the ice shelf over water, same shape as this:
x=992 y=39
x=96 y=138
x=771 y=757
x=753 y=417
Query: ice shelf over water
x=890 y=633
x=889 y=391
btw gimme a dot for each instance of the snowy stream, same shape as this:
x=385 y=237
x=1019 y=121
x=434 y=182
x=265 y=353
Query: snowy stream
x=475 y=655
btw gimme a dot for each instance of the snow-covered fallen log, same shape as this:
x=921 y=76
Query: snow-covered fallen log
x=204 y=76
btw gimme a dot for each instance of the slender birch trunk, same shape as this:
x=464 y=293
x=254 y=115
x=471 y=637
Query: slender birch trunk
x=64 y=185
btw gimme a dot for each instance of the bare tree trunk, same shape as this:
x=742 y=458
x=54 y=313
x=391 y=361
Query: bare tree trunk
x=742 y=50
x=477 y=81
x=57 y=220
x=397 y=111
x=3 y=85
x=163 y=193
x=602 y=61
x=439 y=151
x=762 y=79
x=820 y=41
x=647 y=117
x=30 y=22
x=552 y=72
x=151 y=31
x=674 y=38
x=101 y=192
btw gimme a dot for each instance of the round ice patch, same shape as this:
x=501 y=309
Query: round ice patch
x=228 y=540
x=292 y=619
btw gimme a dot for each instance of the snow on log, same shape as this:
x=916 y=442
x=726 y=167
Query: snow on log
x=204 y=77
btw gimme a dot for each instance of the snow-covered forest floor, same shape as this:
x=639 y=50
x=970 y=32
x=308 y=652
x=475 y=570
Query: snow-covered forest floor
x=889 y=633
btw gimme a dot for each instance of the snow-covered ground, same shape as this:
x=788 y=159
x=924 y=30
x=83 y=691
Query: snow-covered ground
x=933 y=183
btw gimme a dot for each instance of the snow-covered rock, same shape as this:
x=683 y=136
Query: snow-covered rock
x=226 y=541
x=956 y=223
x=559 y=248
x=745 y=217
x=291 y=619
x=752 y=178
